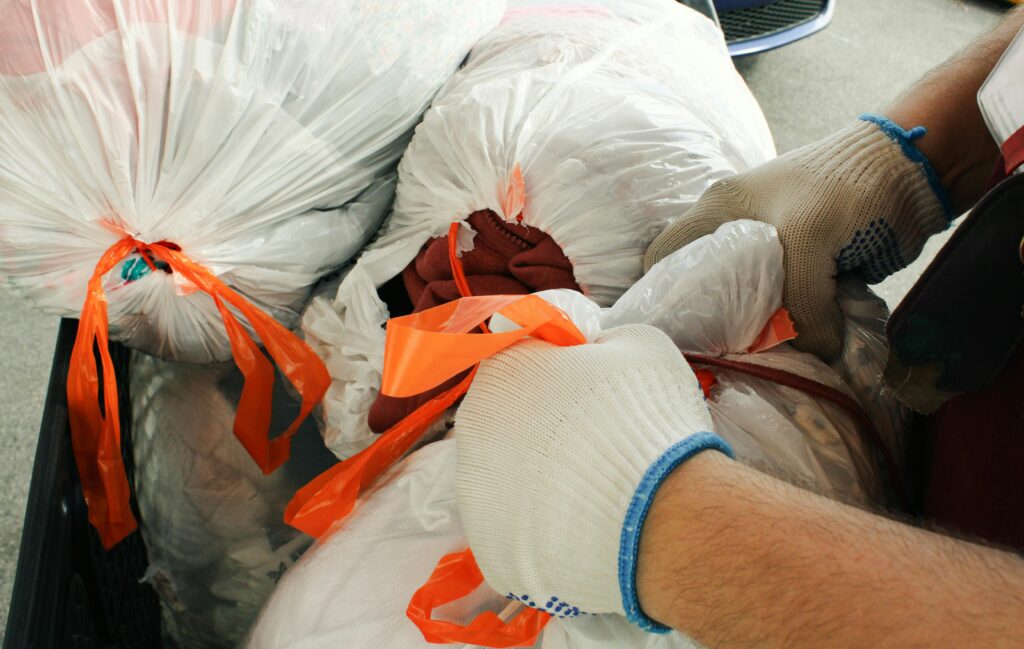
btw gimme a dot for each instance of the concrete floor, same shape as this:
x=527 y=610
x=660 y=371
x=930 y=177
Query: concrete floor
x=860 y=63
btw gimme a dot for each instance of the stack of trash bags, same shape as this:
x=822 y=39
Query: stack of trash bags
x=596 y=123
x=179 y=175
x=198 y=178
x=574 y=133
x=713 y=299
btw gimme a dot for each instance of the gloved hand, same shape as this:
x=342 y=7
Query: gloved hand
x=561 y=450
x=863 y=200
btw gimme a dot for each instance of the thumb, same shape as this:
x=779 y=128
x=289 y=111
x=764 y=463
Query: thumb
x=718 y=205
x=810 y=297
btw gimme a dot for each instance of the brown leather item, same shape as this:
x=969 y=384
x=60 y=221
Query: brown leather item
x=961 y=323
x=960 y=330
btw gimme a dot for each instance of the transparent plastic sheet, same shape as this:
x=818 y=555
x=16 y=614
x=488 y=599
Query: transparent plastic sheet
x=241 y=131
x=862 y=362
x=704 y=297
x=709 y=310
x=597 y=121
x=210 y=519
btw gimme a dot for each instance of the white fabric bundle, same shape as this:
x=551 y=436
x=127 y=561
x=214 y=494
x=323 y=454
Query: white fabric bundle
x=257 y=135
x=619 y=114
x=212 y=522
x=712 y=297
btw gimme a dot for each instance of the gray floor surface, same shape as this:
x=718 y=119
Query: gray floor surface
x=873 y=50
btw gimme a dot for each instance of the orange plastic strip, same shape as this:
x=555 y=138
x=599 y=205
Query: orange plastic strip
x=422 y=351
x=330 y=497
x=296 y=360
x=96 y=434
x=458 y=274
x=425 y=349
x=514 y=196
x=707 y=381
x=777 y=330
x=456 y=576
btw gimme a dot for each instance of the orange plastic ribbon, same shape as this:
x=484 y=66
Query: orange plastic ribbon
x=332 y=495
x=458 y=272
x=96 y=433
x=456 y=576
x=777 y=330
x=514 y=196
x=422 y=351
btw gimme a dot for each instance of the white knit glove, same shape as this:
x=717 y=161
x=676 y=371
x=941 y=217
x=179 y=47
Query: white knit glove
x=863 y=200
x=561 y=450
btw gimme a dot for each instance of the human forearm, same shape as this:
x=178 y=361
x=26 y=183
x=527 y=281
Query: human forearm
x=737 y=559
x=958 y=143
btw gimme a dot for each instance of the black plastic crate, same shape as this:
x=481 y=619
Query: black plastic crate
x=70 y=593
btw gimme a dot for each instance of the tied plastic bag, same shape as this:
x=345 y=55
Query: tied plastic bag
x=178 y=174
x=252 y=136
x=211 y=520
x=597 y=122
x=713 y=298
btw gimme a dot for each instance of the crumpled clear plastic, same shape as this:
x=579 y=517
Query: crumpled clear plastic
x=778 y=429
x=257 y=135
x=862 y=362
x=713 y=298
x=619 y=114
x=211 y=521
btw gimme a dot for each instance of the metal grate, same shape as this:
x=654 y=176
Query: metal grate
x=758 y=22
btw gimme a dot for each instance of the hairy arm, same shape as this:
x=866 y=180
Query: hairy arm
x=945 y=101
x=738 y=559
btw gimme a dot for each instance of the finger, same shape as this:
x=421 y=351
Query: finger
x=639 y=342
x=718 y=205
x=810 y=297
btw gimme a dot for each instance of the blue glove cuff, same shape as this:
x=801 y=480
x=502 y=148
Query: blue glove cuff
x=905 y=139
x=629 y=546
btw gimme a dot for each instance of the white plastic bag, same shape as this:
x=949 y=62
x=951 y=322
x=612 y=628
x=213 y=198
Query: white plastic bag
x=617 y=113
x=256 y=135
x=211 y=521
x=712 y=297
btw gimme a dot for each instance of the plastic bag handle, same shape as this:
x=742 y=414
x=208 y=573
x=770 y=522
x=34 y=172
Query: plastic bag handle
x=96 y=433
x=456 y=576
x=331 y=496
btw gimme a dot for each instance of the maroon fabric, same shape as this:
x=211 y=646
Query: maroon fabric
x=506 y=259
x=975 y=471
